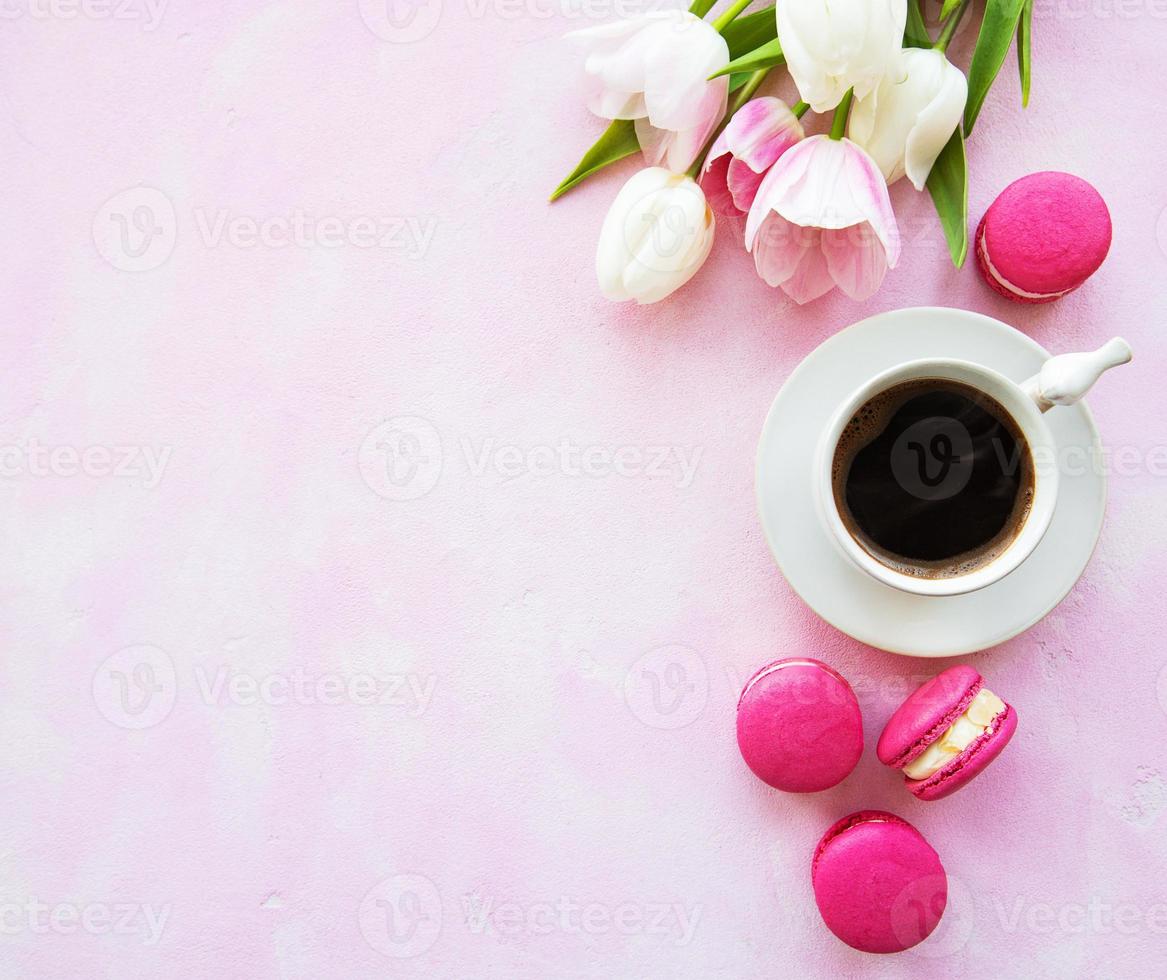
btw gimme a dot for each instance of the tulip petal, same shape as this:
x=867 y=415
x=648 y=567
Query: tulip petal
x=743 y=183
x=761 y=131
x=654 y=143
x=616 y=53
x=910 y=121
x=788 y=172
x=677 y=91
x=811 y=279
x=617 y=237
x=650 y=280
x=715 y=184
x=870 y=197
x=610 y=104
x=790 y=257
x=934 y=126
x=856 y=259
x=823 y=196
x=778 y=248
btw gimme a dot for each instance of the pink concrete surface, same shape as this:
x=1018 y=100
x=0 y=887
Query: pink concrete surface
x=376 y=597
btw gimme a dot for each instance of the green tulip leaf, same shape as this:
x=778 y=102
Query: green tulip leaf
x=1024 y=49
x=948 y=185
x=750 y=31
x=997 y=30
x=767 y=56
x=915 y=32
x=617 y=142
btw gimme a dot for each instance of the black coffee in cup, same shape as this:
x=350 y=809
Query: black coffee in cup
x=933 y=478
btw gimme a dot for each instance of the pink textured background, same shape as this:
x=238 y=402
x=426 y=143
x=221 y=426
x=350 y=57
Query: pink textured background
x=546 y=792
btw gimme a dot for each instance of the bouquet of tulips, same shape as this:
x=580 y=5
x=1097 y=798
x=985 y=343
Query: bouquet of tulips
x=684 y=92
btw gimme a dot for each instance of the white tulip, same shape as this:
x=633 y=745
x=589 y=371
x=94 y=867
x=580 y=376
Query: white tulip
x=904 y=125
x=655 y=69
x=656 y=235
x=834 y=45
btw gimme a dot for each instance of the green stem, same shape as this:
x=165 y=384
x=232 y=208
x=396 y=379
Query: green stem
x=700 y=8
x=839 y=123
x=741 y=97
x=727 y=18
x=800 y=109
x=954 y=19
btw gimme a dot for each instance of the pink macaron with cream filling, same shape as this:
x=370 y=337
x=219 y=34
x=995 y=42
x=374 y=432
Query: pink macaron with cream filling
x=1043 y=237
x=798 y=726
x=879 y=885
x=946 y=733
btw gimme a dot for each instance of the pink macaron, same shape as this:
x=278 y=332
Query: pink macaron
x=879 y=886
x=946 y=733
x=1043 y=237
x=798 y=726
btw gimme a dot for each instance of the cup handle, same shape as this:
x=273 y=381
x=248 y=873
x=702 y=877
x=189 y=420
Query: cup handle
x=1064 y=379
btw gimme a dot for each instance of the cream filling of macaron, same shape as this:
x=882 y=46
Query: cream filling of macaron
x=1002 y=281
x=976 y=720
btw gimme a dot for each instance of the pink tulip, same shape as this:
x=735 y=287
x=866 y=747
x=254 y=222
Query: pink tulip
x=757 y=135
x=822 y=218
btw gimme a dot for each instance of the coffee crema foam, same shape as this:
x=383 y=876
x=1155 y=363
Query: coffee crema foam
x=996 y=464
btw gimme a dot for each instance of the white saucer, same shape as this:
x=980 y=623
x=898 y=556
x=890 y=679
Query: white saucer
x=816 y=567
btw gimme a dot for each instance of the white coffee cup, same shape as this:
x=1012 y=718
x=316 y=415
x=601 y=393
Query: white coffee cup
x=1063 y=380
